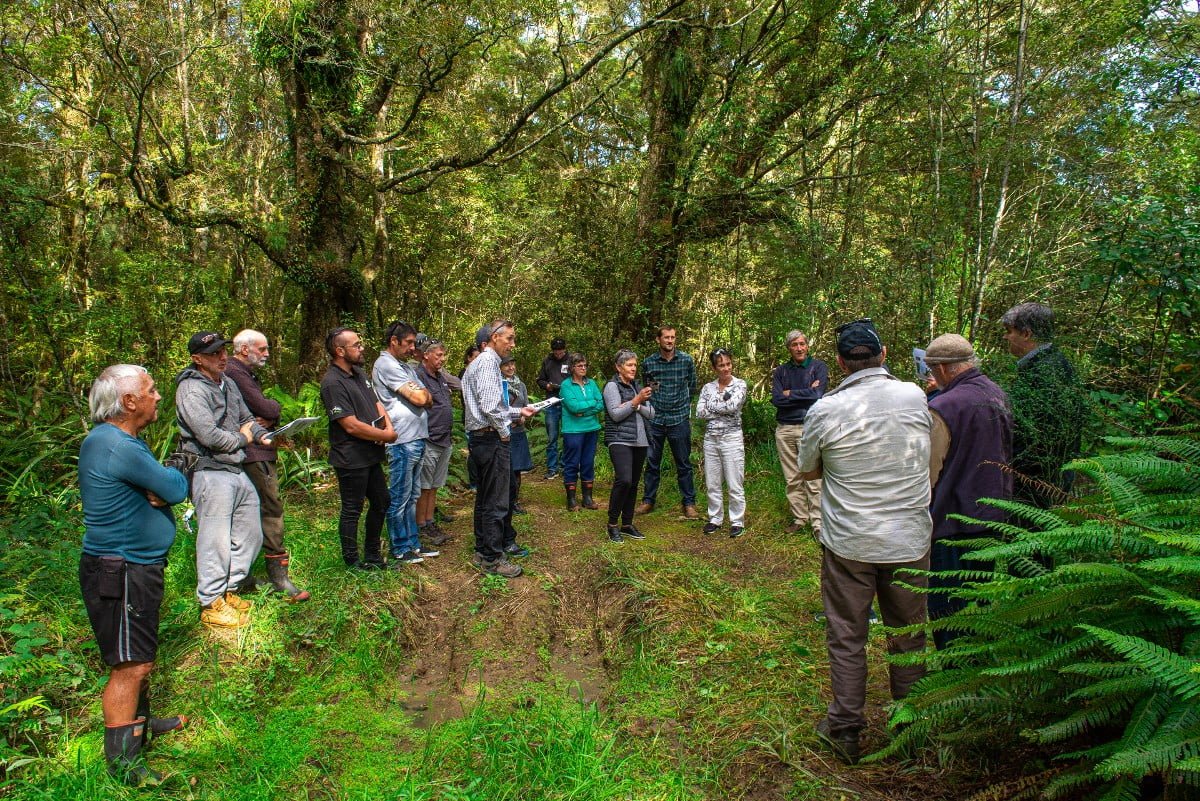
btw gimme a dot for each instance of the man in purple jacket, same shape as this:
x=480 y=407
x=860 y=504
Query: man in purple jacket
x=971 y=447
x=250 y=354
x=795 y=386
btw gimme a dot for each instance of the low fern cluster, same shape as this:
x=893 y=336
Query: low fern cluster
x=1085 y=638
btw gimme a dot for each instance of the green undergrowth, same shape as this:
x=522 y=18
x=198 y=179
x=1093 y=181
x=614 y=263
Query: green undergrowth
x=713 y=680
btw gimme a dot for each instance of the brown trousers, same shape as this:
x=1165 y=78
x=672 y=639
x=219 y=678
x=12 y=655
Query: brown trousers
x=265 y=478
x=847 y=589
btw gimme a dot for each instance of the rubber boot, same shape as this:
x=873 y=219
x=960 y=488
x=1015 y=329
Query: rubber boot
x=156 y=726
x=588 y=503
x=123 y=752
x=572 y=505
x=277 y=571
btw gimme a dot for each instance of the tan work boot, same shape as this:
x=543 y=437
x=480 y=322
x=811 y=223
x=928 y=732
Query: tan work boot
x=222 y=615
x=691 y=512
x=644 y=508
x=238 y=602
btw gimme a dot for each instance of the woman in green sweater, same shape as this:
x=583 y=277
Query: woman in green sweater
x=582 y=404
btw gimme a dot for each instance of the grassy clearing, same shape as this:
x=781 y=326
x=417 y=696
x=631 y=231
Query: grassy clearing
x=682 y=667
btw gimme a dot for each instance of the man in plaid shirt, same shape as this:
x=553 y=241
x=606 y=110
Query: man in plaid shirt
x=672 y=377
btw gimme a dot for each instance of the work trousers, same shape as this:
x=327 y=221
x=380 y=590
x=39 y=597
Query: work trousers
x=228 y=531
x=725 y=463
x=847 y=589
x=356 y=485
x=804 y=497
x=579 y=457
x=265 y=478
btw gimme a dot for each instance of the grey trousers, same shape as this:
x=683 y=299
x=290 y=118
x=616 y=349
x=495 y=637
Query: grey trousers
x=847 y=589
x=228 y=531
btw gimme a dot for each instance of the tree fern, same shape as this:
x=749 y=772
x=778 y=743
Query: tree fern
x=1085 y=637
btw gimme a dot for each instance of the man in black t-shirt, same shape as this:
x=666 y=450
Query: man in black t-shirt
x=358 y=429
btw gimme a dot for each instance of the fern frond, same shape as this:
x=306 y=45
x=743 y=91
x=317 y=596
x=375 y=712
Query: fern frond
x=1127 y=687
x=1184 y=448
x=1170 y=669
x=1080 y=722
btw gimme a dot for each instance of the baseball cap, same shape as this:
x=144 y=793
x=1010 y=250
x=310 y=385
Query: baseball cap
x=859 y=333
x=206 y=342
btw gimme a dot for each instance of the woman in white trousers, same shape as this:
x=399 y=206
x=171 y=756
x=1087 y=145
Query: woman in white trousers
x=721 y=403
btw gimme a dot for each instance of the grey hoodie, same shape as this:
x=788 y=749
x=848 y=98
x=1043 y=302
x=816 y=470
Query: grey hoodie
x=209 y=417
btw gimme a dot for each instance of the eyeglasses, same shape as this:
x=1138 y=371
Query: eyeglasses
x=859 y=321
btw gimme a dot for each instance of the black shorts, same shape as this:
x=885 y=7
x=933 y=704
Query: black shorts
x=122 y=600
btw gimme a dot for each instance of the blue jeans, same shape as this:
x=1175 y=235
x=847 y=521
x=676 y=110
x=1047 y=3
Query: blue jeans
x=404 y=485
x=553 y=417
x=679 y=436
x=579 y=457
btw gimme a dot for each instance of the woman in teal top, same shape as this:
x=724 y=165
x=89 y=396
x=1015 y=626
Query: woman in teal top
x=582 y=404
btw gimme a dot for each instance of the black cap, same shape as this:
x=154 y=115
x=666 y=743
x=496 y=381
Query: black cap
x=422 y=342
x=482 y=336
x=507 y=359
x=858 y=334
x=558 y=343
x=207 y=342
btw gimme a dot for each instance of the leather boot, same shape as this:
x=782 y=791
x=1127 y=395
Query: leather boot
x=572 y=504
x=123 y=752
x=588 y=503
x=277 y=571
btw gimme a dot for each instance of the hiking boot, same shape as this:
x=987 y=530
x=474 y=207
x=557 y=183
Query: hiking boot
x=499 y=567
x=517 y=551
x=736 y=531
x=632 y=533
x=711 y=528
x=237 y=602
x=222 y=615
x=691 y=512
x=614 y=534
x=409 y=558
x=123 y=753
x=644 y=508
x=794 y=528
x=844 y=744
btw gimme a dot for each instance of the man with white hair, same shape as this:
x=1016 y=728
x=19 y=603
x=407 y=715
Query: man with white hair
x=971 y=448
x=128 y=529
x=250 y=354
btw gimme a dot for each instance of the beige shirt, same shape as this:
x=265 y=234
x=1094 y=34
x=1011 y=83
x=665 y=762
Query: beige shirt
x=871 y=438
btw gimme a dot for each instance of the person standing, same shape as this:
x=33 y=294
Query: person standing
x=970 y=454
x=516 y=395
x=795 y=386
x=359 y=428
x=721 y=403
x=628 y=413
x=550 y=378
x=216 y=426
x=128 y=529
x=1048 y=404
x=672 y=376
x=250 y=354
x=439 y=444
x=488 y=422
x=405 y=399
x=869 y=438
x=582 y=404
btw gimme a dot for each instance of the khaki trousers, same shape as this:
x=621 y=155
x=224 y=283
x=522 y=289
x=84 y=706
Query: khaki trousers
x=804 y=497
x=847 y=589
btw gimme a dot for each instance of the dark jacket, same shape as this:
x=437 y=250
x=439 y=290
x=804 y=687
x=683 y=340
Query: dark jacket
x=798 y=378
x=977 y=413
x=258 y=403
x=554 y=371
x=1049 y=410
x=621 y=425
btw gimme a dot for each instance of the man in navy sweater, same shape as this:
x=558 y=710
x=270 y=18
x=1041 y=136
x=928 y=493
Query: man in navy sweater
x=128 y=529
x=795 y=386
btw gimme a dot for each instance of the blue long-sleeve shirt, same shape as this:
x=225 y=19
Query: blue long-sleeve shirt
x=115 y=471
